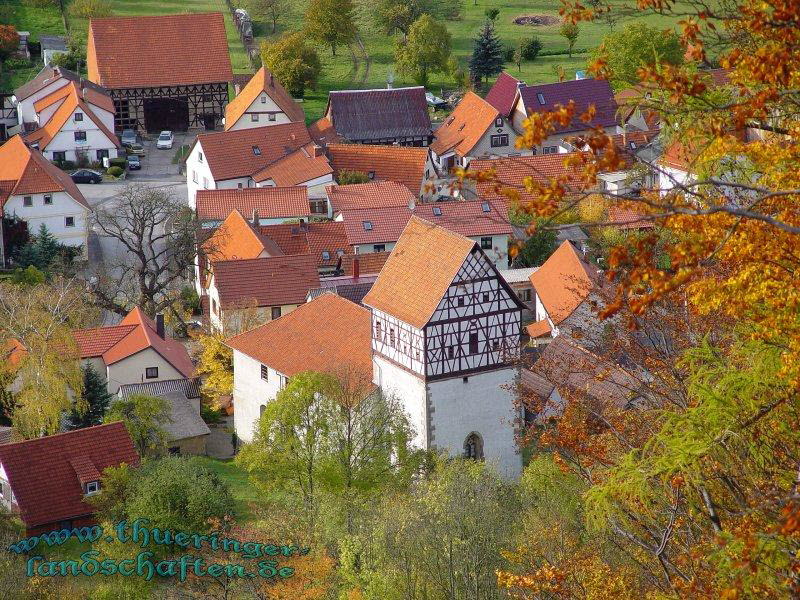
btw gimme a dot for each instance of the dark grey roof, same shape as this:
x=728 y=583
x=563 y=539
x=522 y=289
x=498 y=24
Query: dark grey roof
x=189 y=387
x=47 y=75
x=379 y=114
x=185 y=421
x=354 y=292
x=5 y=434
x=572 y=233
x=53 y=42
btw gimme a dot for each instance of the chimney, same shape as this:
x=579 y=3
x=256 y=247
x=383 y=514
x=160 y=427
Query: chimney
x=356 y=268
x=412 y=203
x=160 y=325
x=271 y=80
x=255 y=217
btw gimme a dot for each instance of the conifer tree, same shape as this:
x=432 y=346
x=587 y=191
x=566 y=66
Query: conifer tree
x=96 y=397
x=487 y=55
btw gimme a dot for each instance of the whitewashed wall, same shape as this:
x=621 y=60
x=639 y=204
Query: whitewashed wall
x=250 y=392
x=53 y=216
x=132 y=369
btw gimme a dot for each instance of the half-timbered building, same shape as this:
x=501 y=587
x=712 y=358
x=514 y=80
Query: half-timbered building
x=163 y=72
x=445 y=340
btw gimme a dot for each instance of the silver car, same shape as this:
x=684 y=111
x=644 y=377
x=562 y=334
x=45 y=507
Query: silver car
x=165 y=139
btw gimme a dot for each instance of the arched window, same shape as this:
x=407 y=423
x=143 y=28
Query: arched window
x=473 y=446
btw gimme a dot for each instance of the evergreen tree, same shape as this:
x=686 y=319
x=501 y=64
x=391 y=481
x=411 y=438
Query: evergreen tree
x=96 y=396
x=487 y=55
x=47 y=246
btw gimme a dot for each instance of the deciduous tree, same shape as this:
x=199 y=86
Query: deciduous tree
x=570 y=31
x=425 y=50
x=331 y=22
x=9 y=40
x=144 y=418
x=293 y=62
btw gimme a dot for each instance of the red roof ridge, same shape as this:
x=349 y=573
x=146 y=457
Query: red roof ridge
x=63 y=433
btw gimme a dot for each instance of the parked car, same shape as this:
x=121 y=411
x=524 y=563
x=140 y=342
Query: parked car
x=134 y=164
x=86 y=176
x=136 y=149
x=128 y=137
x=165 y=140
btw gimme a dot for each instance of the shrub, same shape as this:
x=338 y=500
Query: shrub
x=530 y=48
x=115 y=171
x=90 y=9
x=16 y=63
x=117 y=162
x=508 y=53
x=347 y=176
x=67 y=165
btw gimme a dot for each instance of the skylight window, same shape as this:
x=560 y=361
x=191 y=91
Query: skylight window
x=367 y=225
x=256 y=150
x=326 y=255
x=371 y=174
x=340 y=252
x=485 y=207
x=540 y=96
x=632 y=145
x=437 y=211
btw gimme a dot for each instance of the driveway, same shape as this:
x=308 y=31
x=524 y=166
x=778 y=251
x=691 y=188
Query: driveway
x=157 y=163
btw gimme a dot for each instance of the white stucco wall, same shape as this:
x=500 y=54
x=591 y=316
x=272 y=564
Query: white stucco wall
x=25 y=110
x=199 y=176
x=410 y=390
x=261 y=107
x=64 y=140
x=250 y=392
x=132 y=369
x=53 y=216
x=670 y=177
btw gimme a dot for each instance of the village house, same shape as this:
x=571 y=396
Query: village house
x=39 y=193
x=163 y=72
x=367 y=196
x=325 y=241
x=413 y=167
x=327 y=335
x=75 y=124
x=475 y=129
x=47 y=480
x=272 y=206
x=275 y=156
x=503 y=93
x=263 y=101
x=134 y=351
x=380 y=116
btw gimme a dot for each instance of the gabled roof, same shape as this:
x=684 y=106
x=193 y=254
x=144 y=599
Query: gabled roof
x=563 y=282
x=421 y=267
x=465 y=218
x=71 y=100
x=503 y=92
x=241 y=153
x=379 y=114
x=375 y=194
x=269 y=202
x=45 y=473
x=23 y=170
x=465 y=126
x=310 y=238
x=236 y=239
x=48 y=75
x=91 y=95
x=328 y=335
x=272 y=281
x=299 y=167
x=627 y=218
x=158 y=50
x=323 y=132
x=263 y=82
x=354 y=292
x=584 y=92
x=190 y=388
x=136 y=332
x=405 y=164
x=184 y=419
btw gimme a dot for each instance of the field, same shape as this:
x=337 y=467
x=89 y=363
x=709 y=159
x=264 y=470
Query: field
x=372 y=66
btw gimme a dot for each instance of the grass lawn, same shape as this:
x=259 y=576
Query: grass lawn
x=244 y=493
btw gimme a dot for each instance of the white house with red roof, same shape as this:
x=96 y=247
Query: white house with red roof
x=39 y=193
x=263 y=101
x=134 y=351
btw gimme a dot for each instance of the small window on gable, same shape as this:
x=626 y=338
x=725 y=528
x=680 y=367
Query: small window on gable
x=367 y=225
x=326 y=255
x=451 y=351
x=473 y=342
x=498 y=122
x=437 y=211
x=486 y=243
x=92 y=487
x=391 y=337
x=254 y=118
x=264 y=372
x=461 y=300
x=271 y=117
x=540 y=97
x=48 y=199
x=69 y=221
x=200 y=157
x=27 y=201
x=151 y=373
x=80 y=136
x=485 y=297
x=377 y=330
x=194 y=176
x=485 y=207
x=78 y=116
x=256 y=150
x=263 y=98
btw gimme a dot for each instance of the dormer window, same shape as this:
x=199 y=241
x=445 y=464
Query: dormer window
x=256 y=150
x=367 y=225
x=78 y=117
x=91 y=487
x=540 y=97
x=632 y=145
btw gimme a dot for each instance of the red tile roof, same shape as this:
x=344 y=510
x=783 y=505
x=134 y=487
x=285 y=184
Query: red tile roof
x=304 y=165
x=136 y=332
x=503 y=92
x=158 y=50
x=368 y=264
x=539 y=328
x=273 y=281
x=375 y=194
x=263 y=81
x=235 y=239
x=405 y=164
x=45 y=473
x=385 y=113
x=627 y=218
x=584 y=92
x=269 y=202
x=329 y=335
x=232 y=154
x=25 y=171
x=323 y=133
x=465 y=126
x=311 y=238
x=465 y=218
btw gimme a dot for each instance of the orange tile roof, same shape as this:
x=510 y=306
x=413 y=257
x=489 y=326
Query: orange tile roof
x=90 y=95
x=465 y=126
x=31 y=173
x=311 y=238
x=323 y=132
x=329 y=335
x=563 y=282
x=263 y=81
x=269 y=202
x=271 y=281
x=306 y=164
x=375 y=194
x=159 y=50
x=70 y=97
x=231 y=154
x=539 y=328
x=404 y=164
x=679 y=156
x=419 y=270
x=234 y=239
x=136 y=332
x=368 y=264
x=627 y=218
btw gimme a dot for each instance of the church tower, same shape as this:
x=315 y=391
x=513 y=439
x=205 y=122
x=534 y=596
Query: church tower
x=445 y=340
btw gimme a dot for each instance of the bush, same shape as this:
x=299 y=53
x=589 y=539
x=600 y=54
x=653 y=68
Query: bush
x=346 y=176
x=67 y=165
x=15 y=63
x=530 y=47
x=508 y=53
x=115 y=171
x=90 y=9
x=117 y=162
x=190 y=299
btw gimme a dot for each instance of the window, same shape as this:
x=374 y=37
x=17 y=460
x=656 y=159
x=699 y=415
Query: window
x=27 y=201
x=391 y=337
x=525 y=295
x=437 y=211
x=499 y=140
x=48 y=199
x=498 y=122
x=379 y=248
x=264 y=373
x=473 y=447
x=319 y=207
x=101 y=154
x=485 y=297
x=550 y=150
x=540 y=98
x=239 y=185
x=80 y=136
x=473 y=342
x=486 y=243
x=495 y=345
x=377 y=330
x=205 y=183
x=371 y=174
x=92 y=487
x=465 y=379
x=151 y=373
x=69 y=221
x=367 y=225
x=254 y=117
x=340 y=252
x=194 y=176
x=263 y=99
x=276 y=312
x=326 y=255
x=59 y=156
x=78 y=117
x=461 y=301
x=485 y=207
x=451 y=351
x=200 y=157
x=214 y=306
x=256 y=150
x=271 y=117
x=632 y=145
